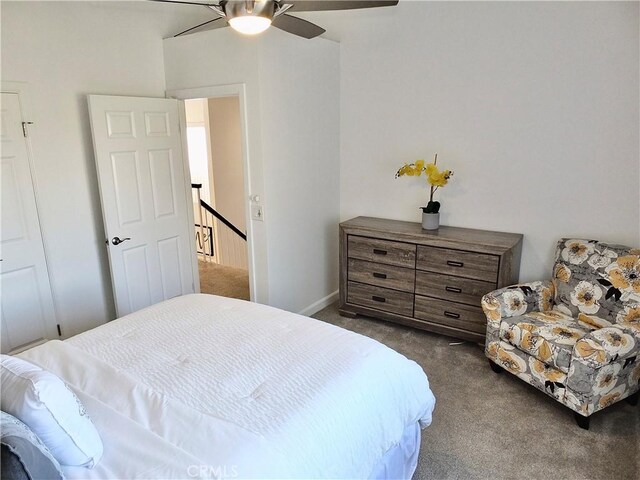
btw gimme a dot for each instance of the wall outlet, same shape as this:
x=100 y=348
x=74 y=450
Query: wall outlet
x=257 y=212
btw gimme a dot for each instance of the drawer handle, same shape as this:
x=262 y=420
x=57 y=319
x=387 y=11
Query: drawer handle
x=377 y=251
x=451 y=314
x=379 y=275
x=451 y=263
x=453 y=289
x=378 y=299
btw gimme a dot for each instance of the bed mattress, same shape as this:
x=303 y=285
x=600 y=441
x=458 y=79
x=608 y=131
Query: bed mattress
x=238 y=389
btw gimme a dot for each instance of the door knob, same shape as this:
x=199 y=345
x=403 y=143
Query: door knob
x=118 y=241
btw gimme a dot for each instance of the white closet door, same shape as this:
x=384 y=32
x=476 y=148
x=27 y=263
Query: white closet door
x=27 y=313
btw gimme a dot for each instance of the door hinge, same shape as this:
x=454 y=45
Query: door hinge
x=59 y=330
x=24 y=128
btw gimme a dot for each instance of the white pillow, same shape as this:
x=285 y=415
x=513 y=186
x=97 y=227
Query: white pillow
x=44 y=402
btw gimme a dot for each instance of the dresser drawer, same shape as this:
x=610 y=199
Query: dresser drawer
x=448 y=287
x=380 y=298
x=388 y=276
x=478 y=266
x=382 y=251
x=452 y=314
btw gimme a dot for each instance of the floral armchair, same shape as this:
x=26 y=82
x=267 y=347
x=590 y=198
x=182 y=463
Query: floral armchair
x=577 y=336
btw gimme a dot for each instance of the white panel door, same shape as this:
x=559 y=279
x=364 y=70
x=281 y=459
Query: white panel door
x=144 y=196
x=27 y=312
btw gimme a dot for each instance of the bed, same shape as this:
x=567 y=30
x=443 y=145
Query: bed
x=203 y=386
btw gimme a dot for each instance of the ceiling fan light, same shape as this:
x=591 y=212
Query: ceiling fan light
x=250 y=24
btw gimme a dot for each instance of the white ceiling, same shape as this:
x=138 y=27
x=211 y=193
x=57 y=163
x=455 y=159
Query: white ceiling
x=172 y=18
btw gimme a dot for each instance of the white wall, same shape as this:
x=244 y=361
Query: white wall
x=66 y=50
x=300 y=112
x=227 y=174
x=292 y=108
x=194 y=111
x=198 y=149
x=533 y=105
x=226 y=159
x=300 y=133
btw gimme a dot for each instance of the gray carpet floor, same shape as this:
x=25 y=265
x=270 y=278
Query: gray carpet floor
x=494 y=426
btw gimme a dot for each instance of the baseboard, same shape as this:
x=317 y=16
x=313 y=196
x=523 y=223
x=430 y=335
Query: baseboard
x=320 y=304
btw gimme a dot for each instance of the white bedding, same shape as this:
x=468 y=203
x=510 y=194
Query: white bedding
x=233 y=388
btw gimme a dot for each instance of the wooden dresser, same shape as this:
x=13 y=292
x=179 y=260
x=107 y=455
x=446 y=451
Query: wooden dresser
x=429 y=279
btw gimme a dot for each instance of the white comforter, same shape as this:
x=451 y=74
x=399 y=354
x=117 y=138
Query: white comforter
x=210 y=386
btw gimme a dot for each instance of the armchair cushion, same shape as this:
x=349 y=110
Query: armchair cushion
x=606 y=345
x=548 y=336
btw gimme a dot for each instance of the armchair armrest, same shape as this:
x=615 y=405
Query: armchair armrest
x=517 y=300
x=604 y=368
x=607 y=345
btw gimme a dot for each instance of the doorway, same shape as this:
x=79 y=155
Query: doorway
x=215 y=157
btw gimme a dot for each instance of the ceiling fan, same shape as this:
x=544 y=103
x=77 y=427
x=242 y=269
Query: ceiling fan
x=254 y=16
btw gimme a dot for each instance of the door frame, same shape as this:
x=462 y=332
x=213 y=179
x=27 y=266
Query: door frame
x=24 y=92
x=217 y=91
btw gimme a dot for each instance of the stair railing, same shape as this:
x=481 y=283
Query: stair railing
x=235 y=240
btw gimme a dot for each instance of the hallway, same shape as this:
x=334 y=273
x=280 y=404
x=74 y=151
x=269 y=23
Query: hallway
x=224 y=281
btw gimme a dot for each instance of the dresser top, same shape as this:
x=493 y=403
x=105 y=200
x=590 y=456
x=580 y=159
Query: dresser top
x=412 y=231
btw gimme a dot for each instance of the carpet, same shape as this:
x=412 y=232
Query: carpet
x=223 y=280
x=494 y=426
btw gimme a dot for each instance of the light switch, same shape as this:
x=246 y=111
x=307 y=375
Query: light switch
x=257 y=212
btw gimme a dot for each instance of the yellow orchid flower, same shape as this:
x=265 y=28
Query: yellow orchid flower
x=411 y=170
x=434 y=177
x=402 y=171
x=437 y=178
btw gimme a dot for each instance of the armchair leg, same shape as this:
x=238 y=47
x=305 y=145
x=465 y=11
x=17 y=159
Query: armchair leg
x=495 y=368
x=633 y=399
x=583 y=422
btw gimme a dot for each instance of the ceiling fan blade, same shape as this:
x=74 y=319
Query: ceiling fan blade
x=297 y=26
x=203 y=27
x=320 y=5
x=202 y=4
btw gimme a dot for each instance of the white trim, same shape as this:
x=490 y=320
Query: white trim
x=189 y=194
x=315 y=307
x=23 y=90
x=239 y=90
x=229 y=90
x=212 y=184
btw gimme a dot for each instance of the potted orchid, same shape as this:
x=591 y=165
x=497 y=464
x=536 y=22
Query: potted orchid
x=435 y=178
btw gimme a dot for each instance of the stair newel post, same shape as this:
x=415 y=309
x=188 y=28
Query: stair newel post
x=204 y=251
x=208 y=226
